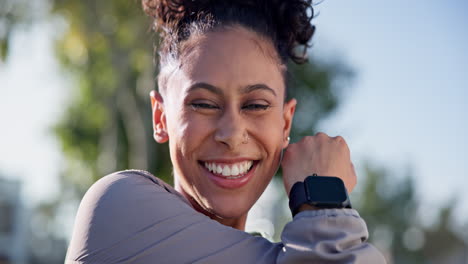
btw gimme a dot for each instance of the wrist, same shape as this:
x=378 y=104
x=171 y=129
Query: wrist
x=289 y=181
x=318 y=192
x=307 y=207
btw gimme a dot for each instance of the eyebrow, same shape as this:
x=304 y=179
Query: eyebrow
x=207 y=86
x=217 y=90
x=259 y=86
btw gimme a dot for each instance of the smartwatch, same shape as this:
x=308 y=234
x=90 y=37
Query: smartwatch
x=319 y=191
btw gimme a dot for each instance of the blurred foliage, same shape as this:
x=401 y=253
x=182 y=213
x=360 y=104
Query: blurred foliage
x=391 y=207
x=14 y=14
x=44 y=244
x=107 y=127
x=318 y=88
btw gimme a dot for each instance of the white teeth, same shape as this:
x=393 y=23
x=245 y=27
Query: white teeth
x=247 y=165
x=234 y=170
x=226 y=171
x=231 y=171
x=219 y=169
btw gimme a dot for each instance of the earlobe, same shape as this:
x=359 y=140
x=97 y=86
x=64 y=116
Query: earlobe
x=159 y=118
x=160 y=136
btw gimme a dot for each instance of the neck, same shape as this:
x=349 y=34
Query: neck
x=237 y=223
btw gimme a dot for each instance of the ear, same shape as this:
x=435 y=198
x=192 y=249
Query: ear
x=288 y=115
x=159 y=118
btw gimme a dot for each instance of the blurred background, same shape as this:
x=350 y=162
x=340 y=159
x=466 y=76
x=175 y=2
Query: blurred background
x=389 y=76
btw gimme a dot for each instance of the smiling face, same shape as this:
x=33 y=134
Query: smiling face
x=224 y=115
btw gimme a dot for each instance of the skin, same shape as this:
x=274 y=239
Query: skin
x=225 y=103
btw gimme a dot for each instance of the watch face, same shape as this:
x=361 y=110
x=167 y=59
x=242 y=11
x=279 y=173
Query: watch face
x=325 y=190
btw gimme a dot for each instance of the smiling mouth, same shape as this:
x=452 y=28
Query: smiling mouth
x=229 y=171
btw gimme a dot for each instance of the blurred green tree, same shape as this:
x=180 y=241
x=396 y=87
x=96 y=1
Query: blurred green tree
x=107 y=126
x=392 y=209
x=13 y=15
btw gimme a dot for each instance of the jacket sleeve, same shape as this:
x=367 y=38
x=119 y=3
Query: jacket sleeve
x=127 y=218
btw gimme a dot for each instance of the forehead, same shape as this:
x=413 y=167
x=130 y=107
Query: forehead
x=231 y=59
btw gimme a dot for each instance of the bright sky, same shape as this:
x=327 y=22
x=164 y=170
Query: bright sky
x=406 y=106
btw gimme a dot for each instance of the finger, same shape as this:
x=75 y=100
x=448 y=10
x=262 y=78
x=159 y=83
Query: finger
x=339 y=139
x=321 y=135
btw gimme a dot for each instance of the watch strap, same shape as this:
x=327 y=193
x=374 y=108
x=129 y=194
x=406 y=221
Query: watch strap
x=297 y=197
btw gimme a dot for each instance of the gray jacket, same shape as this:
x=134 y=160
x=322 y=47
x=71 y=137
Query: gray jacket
x=133 y=217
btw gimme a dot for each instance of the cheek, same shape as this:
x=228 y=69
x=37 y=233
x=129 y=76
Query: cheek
x=186 y=133
x=270 y=129
x=177 y=129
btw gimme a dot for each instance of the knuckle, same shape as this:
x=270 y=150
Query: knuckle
x=341 y=142
x=307 y=139
x=339 y=139
x=321 y=135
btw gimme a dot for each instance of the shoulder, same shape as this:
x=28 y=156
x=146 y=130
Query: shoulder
x=119 y=206
x=130 y=191
x=130 y=177
x=130 y=186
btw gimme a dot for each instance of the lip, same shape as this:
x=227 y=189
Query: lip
x=227 y=161
x=229 y=183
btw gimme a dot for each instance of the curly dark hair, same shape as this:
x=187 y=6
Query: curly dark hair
x=287 y=23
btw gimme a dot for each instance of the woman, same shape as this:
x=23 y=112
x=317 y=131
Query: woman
x=222 y=106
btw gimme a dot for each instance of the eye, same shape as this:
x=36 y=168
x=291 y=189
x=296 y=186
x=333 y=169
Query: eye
x=255 y=107
x=203 y=105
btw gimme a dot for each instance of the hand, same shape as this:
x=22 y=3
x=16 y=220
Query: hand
x=321 y=154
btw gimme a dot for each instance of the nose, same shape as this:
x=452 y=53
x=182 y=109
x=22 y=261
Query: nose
x=231 y=129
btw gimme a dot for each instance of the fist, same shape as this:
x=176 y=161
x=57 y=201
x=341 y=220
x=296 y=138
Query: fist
x=320 y=154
